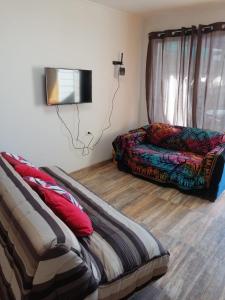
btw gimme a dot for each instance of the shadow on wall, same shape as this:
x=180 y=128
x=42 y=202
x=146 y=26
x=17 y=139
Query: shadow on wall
x=38 y=76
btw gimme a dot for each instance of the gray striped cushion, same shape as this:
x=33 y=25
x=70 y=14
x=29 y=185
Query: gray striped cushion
x=38 y=252
x=40 y=258
x=119 y=248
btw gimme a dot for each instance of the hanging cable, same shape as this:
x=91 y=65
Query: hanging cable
x=86 y=149
x=78 y=126
x=110 y=115
x=67 y=128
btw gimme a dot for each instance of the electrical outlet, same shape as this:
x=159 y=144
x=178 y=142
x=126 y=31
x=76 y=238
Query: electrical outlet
x=122 y=71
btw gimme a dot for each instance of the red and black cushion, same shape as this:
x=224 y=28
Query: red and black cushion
x=26 y=171
x=14 y=159
x=64 y=205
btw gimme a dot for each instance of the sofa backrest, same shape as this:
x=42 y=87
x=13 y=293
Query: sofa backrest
x=38 y=251
x=184 y=138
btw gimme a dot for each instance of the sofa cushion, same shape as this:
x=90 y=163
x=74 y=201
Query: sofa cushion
x=14 y=159
x=40 y=256
x=38 y=184
x=184 y=138
x=187 y=163
x=118 y=247
x=167 y=166
x=25 y=170
x=64 y=206
x=42 y=259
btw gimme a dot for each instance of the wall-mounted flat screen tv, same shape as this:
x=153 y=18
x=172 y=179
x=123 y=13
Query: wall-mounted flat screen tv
x=67 y=86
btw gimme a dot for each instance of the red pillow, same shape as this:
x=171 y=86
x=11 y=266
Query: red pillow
x=14 y=160
x=35 y=183
x=25 y=171
x=75 y=218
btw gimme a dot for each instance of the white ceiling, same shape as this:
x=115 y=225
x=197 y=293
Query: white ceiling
x=146 y=6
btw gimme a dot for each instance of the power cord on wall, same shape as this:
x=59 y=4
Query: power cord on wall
x=110 y=115
x=67 y=128
x=87 y=148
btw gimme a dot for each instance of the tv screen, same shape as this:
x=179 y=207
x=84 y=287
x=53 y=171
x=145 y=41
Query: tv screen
x=67 y=86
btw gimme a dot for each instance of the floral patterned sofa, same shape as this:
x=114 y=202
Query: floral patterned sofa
x=190 y=159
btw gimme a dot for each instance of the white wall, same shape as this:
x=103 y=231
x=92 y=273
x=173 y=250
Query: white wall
x=70 y=34
x=172 y=19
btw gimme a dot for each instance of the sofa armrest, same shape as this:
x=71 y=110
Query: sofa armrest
x=64 y=277
x=213 y=164
x=128 y=140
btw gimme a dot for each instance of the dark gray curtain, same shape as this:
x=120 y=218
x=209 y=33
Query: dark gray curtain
x=185 y=76
x=209 y=91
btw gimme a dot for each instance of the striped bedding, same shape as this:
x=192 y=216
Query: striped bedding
x=40 y=258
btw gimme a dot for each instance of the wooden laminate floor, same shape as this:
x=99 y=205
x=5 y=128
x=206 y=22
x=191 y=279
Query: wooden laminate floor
x=191 y=228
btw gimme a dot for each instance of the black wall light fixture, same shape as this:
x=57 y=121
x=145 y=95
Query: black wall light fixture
x=120 y=63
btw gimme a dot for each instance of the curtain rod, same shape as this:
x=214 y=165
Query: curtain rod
x=172 y=32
